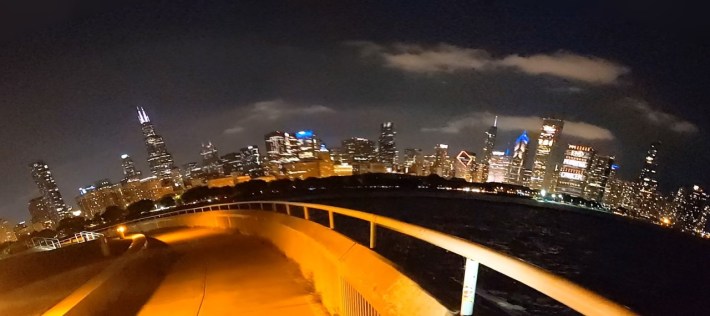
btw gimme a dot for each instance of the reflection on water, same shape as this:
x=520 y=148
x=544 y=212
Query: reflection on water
x=653 y=270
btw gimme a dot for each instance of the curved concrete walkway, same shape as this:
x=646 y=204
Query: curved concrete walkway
x=223 y=273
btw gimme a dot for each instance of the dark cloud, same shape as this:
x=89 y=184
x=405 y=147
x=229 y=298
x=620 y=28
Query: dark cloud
x=658 y=117
x=481 y=120
x=450 y=58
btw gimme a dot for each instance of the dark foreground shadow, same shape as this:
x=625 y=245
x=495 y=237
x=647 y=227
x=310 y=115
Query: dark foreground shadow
x=126 y=291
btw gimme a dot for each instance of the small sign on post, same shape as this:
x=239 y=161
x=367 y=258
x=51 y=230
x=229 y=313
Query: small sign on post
x=468 y=294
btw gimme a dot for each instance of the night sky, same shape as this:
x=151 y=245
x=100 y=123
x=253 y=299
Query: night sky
x=71 y=75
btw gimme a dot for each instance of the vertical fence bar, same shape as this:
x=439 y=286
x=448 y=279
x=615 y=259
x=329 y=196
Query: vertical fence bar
x=373 y=235
x=288 y=210
x=305 y=213
x=468 y=294
x=330 y=220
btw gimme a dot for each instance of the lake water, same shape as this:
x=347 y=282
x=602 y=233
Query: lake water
x=653 y=270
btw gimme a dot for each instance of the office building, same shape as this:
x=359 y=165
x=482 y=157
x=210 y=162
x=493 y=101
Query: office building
x=281 y=147
x=498 y=166
x=232 y=163
x=488 y=145
x=387 y=150
x=39 y=211
x=358 y=150
x=321 y=167
x=49 y=191
x=517 y=173
x=211 y=164
x=612 y=189
x=574 y=170
x=543 y=166
x=647 y=183
x=130 y=173
x=413 y=161
x=691 y=209
x=307 y=144
x=251 y=161
x=7 y=233
x=442 y=164
x=465 y=165
x=94 y=199
x=160 y=161
x=598 y=177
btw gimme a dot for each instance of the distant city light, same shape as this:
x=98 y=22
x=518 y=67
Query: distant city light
x=304 y=134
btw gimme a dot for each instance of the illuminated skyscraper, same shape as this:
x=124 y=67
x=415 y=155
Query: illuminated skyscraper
x=541 y=177
x=691 y=209
x=613 y=188
x=39 y=212
x=358 y=150
x=516 y=172
x=94 y=199
x=251 y=161
x=489 y=144
x=53 y=201
x=442 y=164
x=129 y=169
x=574 y=170
x=159 y=159
x=464 y=165
x=647 y=183
x=387 y=150
x=498 y=166
x=209 y=154
x=307 y=145
x=232 y=163
x=210 y=160
x=7 y=234
x=598 y=177
x=281 y=147
x=413 y=161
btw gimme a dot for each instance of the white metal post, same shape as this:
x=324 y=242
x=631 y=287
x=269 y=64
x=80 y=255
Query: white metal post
x=470 y=277
x=373 y=235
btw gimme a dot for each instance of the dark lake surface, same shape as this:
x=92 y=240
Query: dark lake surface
x=653 y=270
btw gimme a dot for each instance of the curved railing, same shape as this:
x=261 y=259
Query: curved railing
x=562 y=290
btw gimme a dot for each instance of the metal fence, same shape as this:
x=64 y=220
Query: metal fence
x=562 y=290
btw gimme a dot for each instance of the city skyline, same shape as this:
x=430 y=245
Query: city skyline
x=303 y=145
x=233 y=73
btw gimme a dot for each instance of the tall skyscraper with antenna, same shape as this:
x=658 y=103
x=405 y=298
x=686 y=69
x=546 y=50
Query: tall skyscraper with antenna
x=160 y=161
x=387 y=150
x=647 y=183
x=488 y=145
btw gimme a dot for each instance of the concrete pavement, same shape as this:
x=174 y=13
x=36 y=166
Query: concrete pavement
x=224 y=273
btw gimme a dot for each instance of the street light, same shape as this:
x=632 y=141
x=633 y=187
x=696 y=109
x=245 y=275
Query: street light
x=121 y=231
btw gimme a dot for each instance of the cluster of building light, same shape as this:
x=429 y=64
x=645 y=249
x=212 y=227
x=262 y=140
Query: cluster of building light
x=583 y=173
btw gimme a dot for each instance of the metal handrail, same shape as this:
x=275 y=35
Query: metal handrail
x=562 y=290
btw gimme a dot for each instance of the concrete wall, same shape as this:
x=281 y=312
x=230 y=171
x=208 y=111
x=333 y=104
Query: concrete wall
x=350 y=279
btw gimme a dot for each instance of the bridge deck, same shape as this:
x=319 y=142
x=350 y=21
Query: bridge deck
x=219 y=273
